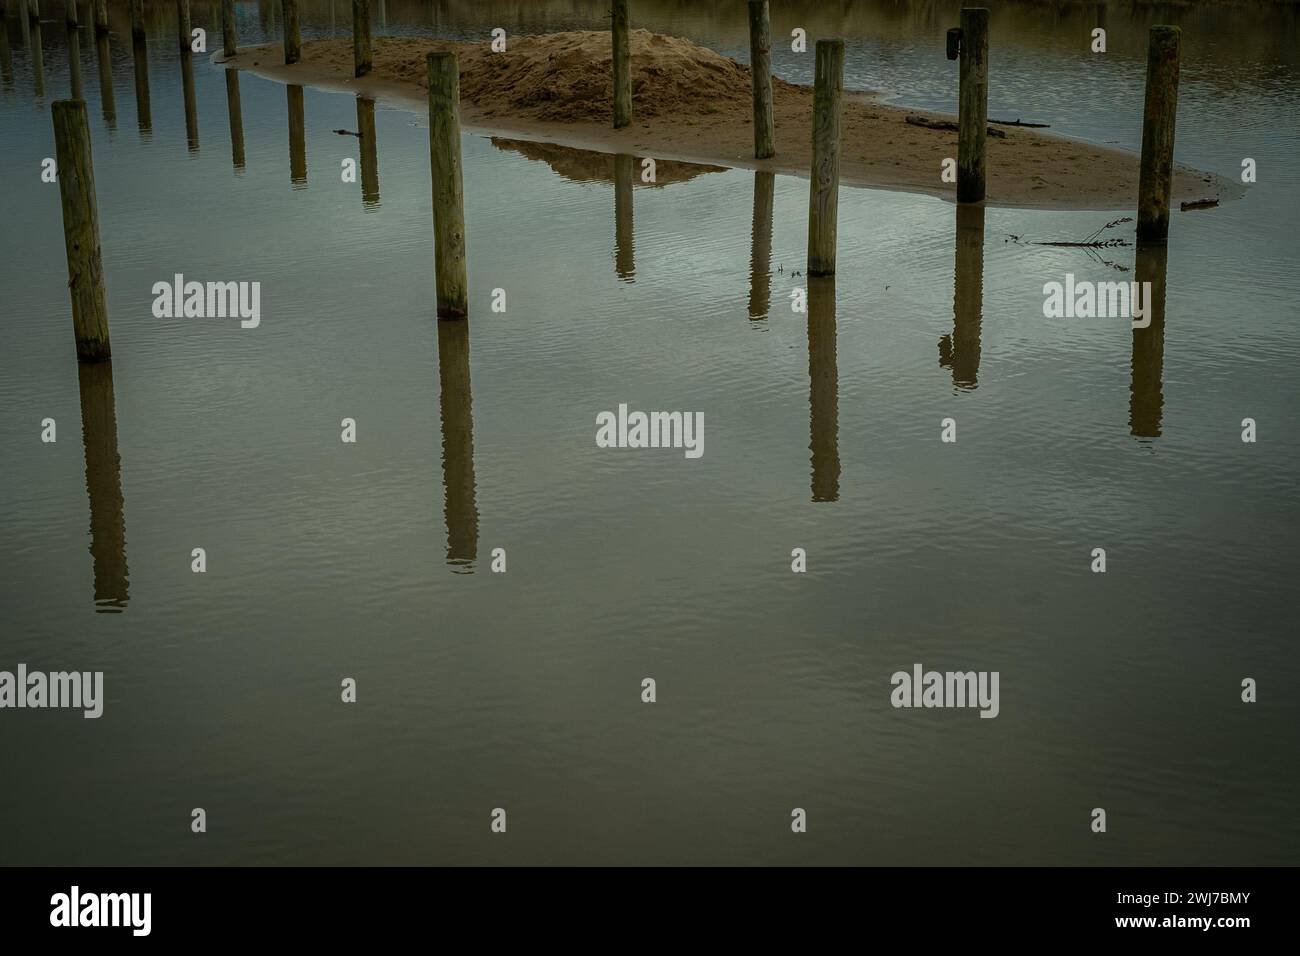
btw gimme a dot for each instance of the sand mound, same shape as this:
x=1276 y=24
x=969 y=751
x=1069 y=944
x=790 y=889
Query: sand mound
x=565 y=77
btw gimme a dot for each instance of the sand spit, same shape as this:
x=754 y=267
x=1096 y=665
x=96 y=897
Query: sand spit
x=693 y=105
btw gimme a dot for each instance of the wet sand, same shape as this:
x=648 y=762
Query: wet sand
x=693 y=105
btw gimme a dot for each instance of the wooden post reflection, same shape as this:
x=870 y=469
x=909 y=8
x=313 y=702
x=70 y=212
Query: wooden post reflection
x=369 y=152
x=143 y=111
x=103 y=485
x=235 y=109
x=624 y=244
x=297 y=136
x=823 y=389
x=38 y=58
x=104 y=57
x=1146 y=393
x=191 y=103
x=960 y=352
x=760 y=246
x=460 y=509
x=74 y=60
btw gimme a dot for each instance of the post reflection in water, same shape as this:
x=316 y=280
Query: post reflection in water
x=1146 y=393
x=235 y=109
x=624 y=245
x=760 y=250
x=960 y=351
x=103 y=485
x=74 y=61
x=460 y=509
x=143 y=111
x=191 y=103
x=104 y=59
x=369 y=152
x=823 y=389
x=6 y=55
x=297 y=136
x=38 y=58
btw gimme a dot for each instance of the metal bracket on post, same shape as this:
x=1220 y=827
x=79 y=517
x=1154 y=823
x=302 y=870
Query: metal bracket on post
x=954 y=43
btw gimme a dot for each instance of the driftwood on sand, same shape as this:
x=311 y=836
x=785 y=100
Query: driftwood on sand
x=928 y=123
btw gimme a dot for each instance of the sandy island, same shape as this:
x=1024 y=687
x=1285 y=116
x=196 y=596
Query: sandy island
x=694 y=105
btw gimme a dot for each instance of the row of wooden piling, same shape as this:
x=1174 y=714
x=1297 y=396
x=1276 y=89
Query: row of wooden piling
x=969 y=43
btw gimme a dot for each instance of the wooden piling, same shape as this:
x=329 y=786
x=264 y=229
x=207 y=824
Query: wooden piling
x=235 y=109
x=448 y=189
x=622 y=62
x=183 y=25
x=137 y=19
x=824 y=177
x=760 y=68
x=362 y=56
x=228 y=30
x=101 y=16
x=292 y=37
x=1156 y=179
x=81 y=230
x=143 y=111
x=973 y=96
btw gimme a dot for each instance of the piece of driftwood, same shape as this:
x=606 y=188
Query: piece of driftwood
x=347 y=132
x=1199 y=204
x=928 y=123
x=1016 y=122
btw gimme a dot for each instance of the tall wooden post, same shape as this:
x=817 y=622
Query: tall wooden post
x=137 y=19
x=101 y=16
x=760 y=69
x=183 y=25
x=292 y=37
x=824 y=177
x=448 y=189
x=81 y=230
x=362 y=57
x=622 y=62
x=228 y=30
x=1156 y=180
x=973 y=95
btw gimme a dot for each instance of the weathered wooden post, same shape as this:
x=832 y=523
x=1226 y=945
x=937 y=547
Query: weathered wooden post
x=760 y=245
x=760 y=69
x=297 y=135
x=624 y=233
x=369 y=151
x=1156 y=180
x=823 y=390
x=622 y=61
x=137 y=19
x=143 y=112
x=103 y=485
x=183 y=33
x=101 y=16
x=292 y=38
x=235 y=109
x=448 y=189
x=973 y=103
x=228 y=30
x=362 y=56
x=81 y=230
x=824 y=177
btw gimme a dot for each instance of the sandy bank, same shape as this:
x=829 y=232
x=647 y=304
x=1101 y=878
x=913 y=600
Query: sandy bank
x=693 y=105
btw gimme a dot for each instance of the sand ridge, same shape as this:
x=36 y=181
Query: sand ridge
x=693 y=104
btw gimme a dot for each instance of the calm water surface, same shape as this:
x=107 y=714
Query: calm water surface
x=522 y=690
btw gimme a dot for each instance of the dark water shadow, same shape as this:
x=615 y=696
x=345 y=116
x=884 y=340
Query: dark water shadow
x=823 y=389
x=103 y=485
x=143 y=108
x=1146 y=390
x=960 y=352
x=460 y=509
